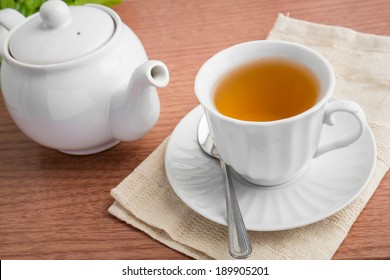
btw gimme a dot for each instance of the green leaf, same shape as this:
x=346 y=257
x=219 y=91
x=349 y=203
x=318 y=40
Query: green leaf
x=32 y=4
x=7 y=4
x=29 y=7
x=109 y=3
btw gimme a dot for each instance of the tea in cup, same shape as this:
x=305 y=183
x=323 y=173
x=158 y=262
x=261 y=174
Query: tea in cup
x=266 y=90
x=266 y=103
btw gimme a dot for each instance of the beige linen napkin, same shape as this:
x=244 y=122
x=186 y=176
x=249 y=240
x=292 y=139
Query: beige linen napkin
x=146 y=200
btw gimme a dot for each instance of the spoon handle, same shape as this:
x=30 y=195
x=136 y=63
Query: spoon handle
x=238 y=239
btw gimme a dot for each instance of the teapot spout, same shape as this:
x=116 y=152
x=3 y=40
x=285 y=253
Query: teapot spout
x=134 y=112
x=155 y=72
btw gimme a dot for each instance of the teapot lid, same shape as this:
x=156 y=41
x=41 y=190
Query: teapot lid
x=60 y=33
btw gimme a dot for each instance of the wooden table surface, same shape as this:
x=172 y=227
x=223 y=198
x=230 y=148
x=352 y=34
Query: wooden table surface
x=54 y=206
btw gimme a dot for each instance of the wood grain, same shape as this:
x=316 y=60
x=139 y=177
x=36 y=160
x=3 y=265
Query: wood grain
x=54 y=206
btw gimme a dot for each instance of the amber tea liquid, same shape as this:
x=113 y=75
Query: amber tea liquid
x=267 y=90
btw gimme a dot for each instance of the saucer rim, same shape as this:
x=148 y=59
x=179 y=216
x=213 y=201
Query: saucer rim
x=222 y=221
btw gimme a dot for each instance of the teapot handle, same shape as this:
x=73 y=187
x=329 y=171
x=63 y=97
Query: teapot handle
x=9 y=18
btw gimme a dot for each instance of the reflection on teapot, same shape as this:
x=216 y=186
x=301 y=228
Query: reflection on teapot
x=77 y=79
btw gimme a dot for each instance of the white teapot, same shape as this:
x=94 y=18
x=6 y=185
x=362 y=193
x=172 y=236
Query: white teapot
x=77 y=79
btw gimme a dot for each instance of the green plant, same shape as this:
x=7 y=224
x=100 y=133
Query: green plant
x=29 y=7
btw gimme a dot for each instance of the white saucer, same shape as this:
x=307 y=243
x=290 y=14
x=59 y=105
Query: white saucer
x=330 y=183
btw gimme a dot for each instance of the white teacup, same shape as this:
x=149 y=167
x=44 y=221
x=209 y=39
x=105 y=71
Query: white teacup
x=271 y=153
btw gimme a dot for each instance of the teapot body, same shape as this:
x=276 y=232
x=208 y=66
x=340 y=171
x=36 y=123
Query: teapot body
x=66 y=106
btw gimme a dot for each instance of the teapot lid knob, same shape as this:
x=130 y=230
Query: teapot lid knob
x=54 y=13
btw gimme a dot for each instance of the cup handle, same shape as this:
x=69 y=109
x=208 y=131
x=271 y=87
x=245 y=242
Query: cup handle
x=342 y=106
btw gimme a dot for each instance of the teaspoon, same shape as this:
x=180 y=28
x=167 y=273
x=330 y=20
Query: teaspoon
x=238 y=239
